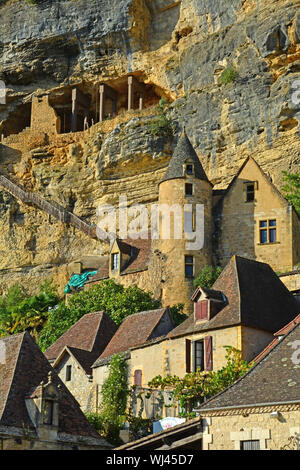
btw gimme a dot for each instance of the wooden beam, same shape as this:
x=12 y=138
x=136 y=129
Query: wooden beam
x=182 y=442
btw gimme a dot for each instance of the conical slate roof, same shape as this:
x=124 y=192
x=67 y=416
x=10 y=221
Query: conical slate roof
x=184 y=150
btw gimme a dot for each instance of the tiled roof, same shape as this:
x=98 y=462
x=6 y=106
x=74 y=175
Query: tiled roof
x=184 y=150
x=277 y=335
x=274 y=379
x=24 y=368
x=135 y=330
x=255 y=297
x=141 y=250
x=86 y=339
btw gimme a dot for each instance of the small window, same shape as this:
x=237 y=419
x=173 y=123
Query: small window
x=48 y=412
x=188 y=189
x=267 y=231
x=138 y=377
x=199 y=355
x=250 y=445
x=115 y=261
x=189 y=169
x=189 y=266
x=68 y=373
x=250 y=191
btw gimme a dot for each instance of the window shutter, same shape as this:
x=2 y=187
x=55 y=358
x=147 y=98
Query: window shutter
x=208 y=352
x=188 y=355
x=138 y=377
x=201 y=310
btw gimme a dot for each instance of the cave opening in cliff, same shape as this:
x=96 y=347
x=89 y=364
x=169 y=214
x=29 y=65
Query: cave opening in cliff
x=17 y=121
x=83 y=105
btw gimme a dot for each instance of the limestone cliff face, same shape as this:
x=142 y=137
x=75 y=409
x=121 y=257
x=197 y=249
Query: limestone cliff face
x=180 y=49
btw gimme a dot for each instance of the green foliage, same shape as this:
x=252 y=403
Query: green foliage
x=177 y=314
x=228 y=75
x=19 y=312
x=114 y=399
x=162 y=125
x=291 y=189
x=96 y=421
x=118 y=302
x=200 y=385
x=207 y=276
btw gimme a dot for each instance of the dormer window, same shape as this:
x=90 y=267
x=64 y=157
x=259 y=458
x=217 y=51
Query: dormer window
x=48 y=412
x=115 y=261
x=201 y=310
x=189 y=169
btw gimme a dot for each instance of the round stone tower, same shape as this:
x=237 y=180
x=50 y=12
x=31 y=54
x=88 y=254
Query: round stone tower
x=185 y=204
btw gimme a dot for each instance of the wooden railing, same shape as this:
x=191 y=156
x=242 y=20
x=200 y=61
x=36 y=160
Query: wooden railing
x=52 y=208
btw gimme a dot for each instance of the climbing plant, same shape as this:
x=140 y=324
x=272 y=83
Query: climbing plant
x=200 y=385
x=114 y=396
x=291 y=189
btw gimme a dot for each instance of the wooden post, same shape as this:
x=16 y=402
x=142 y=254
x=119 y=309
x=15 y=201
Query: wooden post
x=74 y=111
x=130 y=93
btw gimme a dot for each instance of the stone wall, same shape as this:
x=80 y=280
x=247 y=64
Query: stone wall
x=239 y=222
x=226 y=432
x=81 y=387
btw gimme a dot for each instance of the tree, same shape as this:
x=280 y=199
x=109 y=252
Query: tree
x=19 y=312
x=116 y=300
x=291 y=189
x=207 y=276
x=202 y=385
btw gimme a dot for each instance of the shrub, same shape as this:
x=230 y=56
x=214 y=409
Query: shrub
x=207 y=276
x=228 y=75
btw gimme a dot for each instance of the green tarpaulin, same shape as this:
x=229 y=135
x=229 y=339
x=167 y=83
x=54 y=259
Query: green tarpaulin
x=78 y=280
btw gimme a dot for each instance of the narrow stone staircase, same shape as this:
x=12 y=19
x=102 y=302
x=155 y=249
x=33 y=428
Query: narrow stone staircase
x=52 y=208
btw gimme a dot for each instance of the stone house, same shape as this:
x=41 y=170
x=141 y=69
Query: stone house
x=254 y=220
x=261 y=410
x=136 y=329
x=245 y=307
x=73 y=354
x=37 y=411
x=250 y=218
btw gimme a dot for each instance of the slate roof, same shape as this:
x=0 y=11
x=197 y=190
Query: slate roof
x=141 y=251
x=24 y=368
x=277 y=335
x=135 y=330
x=273 y=380
x=86 y=340
x=183 y=151
x=255 y=297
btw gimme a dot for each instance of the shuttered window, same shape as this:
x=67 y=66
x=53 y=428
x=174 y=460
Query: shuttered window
x=199 y=355
x=188 y=355
x=138 y=377
x=208 y=353
x=202 y=310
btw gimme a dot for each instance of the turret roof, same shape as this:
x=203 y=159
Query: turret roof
x=184 y=151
